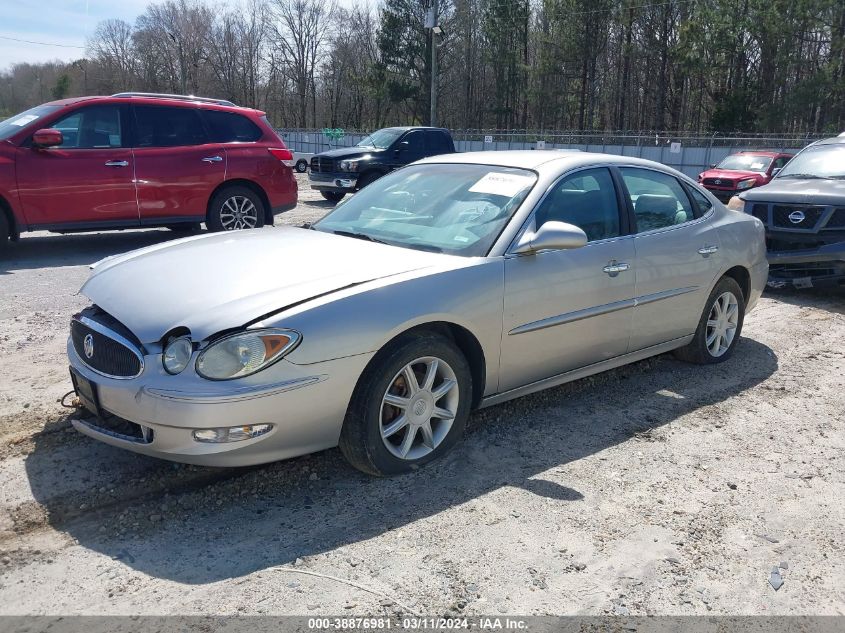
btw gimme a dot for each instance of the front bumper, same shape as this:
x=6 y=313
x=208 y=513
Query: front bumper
x=306 y=405
x=340 y=181
x=723 y=195
x=811 y=267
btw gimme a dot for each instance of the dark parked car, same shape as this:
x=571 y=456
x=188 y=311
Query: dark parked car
x=137 y=159
x=803 y=209
x=348 y=169
x=742 y=171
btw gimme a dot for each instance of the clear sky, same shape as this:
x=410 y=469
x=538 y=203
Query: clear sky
x=64 y=24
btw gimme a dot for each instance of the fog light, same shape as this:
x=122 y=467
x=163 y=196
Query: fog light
x=232 y=433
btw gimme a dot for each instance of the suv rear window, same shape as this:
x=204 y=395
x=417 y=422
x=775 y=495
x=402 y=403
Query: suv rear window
x=228 y=127
x=168 y=127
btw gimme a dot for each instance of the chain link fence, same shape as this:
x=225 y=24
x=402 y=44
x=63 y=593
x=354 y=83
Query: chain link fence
x=687 y=152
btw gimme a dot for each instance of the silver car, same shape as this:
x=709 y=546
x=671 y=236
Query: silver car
x=455 y=283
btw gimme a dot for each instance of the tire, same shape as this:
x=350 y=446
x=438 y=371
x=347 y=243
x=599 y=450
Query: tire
x=184 y=227
x=333 y=196
x=228 y=203
x=4 y=231
x=367 y=179
x=726 y=293
x=301 y=166
x=369 y=417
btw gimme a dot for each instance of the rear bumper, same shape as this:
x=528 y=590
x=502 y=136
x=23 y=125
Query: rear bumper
x=340 y=181
x=812 y=267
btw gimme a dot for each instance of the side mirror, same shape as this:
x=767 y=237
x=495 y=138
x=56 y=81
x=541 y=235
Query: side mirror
x=48 y=137
x=551 y=236
x=401 y=147
x=776 y=171
x=712 y=166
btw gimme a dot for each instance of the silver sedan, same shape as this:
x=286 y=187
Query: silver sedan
x=455 y=283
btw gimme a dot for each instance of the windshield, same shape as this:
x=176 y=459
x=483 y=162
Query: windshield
x=381 y=139
x=745 y=162
x=454 y=209
x=819 y=161
x=15 y=124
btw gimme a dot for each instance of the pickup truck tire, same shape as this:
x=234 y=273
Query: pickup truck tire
x=719 y=326
x=302 y=165
x=368 y=178
x=333 y=196
x=235 y=208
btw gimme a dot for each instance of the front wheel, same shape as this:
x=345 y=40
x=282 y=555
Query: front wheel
x=719 y=326
x=235 y=208
x=410 y=406
x=333 y=196
x=301 y=166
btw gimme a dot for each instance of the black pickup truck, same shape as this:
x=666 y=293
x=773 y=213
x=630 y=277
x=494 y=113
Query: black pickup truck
x=348 y=169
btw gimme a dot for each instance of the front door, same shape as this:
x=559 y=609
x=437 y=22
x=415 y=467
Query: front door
x=176 y=166
x=566 y=309
x=87 y=181
x=677 y=256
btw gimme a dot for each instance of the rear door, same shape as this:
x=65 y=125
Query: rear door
x=677 y=250
x=176 y=165
x=87 y=181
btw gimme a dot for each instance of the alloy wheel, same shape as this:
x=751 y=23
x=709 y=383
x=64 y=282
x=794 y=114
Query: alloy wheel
x=721 y=324
x=238 y=212
x=419 y=407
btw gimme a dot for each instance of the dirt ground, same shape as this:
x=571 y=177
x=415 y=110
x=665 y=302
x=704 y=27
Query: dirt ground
x=658 y=488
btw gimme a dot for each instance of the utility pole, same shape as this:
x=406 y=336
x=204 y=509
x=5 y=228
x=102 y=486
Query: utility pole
x=435 y=31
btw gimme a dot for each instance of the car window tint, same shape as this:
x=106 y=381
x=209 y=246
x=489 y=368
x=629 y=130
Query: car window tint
x=586 y=199
x=439 y=144
x=96 y=127
x=416 y=143
x=168 y=127
x=659 y=200
x=780 y=162
x=228 y=127
x=702 y=202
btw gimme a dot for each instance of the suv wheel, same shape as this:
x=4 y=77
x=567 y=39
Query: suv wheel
x=235 y=208
x=333 y=196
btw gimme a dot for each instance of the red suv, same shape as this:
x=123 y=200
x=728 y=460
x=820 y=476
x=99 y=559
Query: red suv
x=138 y=160
x=742 y=171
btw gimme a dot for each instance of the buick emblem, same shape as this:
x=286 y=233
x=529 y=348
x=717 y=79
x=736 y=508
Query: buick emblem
x=88 y=346
x=797 y=217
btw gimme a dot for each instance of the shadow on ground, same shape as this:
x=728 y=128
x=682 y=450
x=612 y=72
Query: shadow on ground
x=830 y=299
x=200 y=525
x=49 y=250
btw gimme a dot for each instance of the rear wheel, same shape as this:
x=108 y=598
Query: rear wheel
x=410 y=406
x=719 y=327
x=235 y=208
x=333 y=196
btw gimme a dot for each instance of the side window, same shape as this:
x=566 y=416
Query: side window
x=659 y=200
x=228 y=127
x=416 y=143
x=702 y=202
x=780 y=162
x=438 y=143
x=97 y=127
x=586 y=199
x=168 y=127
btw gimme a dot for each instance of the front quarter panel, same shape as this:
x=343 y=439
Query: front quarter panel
x=743 y=240
x=365 y=318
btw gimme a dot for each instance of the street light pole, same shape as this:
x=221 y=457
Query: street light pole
x=435 y=29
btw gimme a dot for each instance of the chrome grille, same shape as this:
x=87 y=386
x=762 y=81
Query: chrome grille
x=109 y=353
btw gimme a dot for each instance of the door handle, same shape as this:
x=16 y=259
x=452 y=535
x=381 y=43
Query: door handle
x=707 y=250
x=117 y=163
x=212 y=159
x=614 y=268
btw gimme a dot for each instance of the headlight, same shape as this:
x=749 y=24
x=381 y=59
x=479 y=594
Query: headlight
x=177 y=355
x=245 y=353
x=349 y=165
x=736 y=204
x=745 y=184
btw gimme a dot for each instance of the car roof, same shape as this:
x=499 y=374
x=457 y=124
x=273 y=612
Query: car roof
x=174 y=100
x=762 y=153
x=542 y=160
x=835 y=140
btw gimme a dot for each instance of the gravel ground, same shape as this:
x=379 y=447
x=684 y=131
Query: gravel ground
x=658 y=488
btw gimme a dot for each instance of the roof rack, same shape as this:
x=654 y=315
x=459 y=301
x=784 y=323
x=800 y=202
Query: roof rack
x=161 y=95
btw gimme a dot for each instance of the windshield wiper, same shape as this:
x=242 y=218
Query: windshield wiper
x=360 y=236
x=804 y=176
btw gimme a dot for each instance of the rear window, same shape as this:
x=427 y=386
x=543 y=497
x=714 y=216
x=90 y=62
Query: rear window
x=228 y=127
x=168 y=127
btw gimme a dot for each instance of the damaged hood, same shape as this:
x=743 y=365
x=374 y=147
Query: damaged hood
x=210 y=283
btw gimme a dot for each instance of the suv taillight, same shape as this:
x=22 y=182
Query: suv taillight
x=283 y=155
